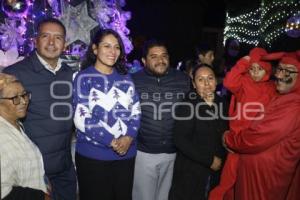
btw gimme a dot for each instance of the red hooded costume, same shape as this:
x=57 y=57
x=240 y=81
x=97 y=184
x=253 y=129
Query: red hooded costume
x=245 y=90
x=270 y=148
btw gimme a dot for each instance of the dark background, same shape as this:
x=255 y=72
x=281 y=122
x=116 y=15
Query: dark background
x=183 y=24
x=180 y=23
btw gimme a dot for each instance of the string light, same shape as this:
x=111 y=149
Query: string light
x=258 y=26
x=292 y=26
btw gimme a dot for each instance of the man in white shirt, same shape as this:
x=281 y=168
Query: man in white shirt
x=49 y=119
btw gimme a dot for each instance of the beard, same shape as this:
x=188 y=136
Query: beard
x=159 y=70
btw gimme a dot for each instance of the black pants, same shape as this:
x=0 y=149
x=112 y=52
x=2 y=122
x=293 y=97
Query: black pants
x=105 y=180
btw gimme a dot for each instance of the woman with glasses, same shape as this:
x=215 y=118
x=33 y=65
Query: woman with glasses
x=22 y=170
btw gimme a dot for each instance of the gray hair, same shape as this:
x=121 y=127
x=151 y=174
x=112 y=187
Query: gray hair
x=6 y=79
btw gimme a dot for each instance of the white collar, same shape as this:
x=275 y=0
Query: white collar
x=48 y=66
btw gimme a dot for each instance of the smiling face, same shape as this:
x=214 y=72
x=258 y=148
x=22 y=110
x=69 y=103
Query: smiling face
x=257 y=72
x=286 y=76
x=8 y=110
x=50 y=42
x=205 y=82
x=157 y=60
x=107 y=51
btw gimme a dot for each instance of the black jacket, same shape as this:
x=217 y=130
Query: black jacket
x=198 y=140
x=48 y=122
x=157 y=96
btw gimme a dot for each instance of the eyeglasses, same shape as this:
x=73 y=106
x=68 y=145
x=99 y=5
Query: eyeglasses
x=286 y=72
x=17 y=99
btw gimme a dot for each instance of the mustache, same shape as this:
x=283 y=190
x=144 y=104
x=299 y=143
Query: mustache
x=286 y=80
x=164 y=64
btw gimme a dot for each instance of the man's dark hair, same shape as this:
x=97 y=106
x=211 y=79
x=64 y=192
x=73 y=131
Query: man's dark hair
x=152 y=43
x=203 y=48
x=53 y=21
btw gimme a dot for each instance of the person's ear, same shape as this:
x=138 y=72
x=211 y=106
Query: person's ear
x=144 y=61
x=95 y=49
x=65 y=46
x=35 y=41
x=194 y=85
x=200 y=57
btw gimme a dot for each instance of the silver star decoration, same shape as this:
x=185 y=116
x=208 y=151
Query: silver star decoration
x=78 y=23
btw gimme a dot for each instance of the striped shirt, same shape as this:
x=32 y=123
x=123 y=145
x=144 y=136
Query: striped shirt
x=21 y=161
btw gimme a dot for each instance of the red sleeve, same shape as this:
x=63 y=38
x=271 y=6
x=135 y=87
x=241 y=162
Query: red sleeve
x=234 y=78
x=263 y=134
x=294 y=192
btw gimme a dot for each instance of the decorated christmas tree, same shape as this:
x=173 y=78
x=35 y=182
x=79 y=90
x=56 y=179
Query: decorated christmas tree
x=80 y=18
x=264 y=23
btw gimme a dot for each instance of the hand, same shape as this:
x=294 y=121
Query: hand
x=217 y=164
x=113 y=143
x=47 y=197
x=122 y=144
x=246 y=58
x=49 y=187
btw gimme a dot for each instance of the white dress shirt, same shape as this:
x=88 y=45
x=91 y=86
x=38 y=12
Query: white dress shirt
x=48 y=66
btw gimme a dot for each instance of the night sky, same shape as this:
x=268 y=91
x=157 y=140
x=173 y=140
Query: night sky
x=179 y=23
x=183 y=25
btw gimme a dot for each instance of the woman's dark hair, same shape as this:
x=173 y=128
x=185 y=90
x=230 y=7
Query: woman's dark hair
x=90 y=57
x=201 y=65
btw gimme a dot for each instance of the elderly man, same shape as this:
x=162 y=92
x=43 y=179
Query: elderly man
x=270 y=148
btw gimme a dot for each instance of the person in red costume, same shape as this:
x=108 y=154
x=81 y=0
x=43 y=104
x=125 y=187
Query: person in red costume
x=251 y=87
x=269 y=150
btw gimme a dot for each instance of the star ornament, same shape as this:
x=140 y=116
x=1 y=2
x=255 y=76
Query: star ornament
x=78 y=23
x=9 y=57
